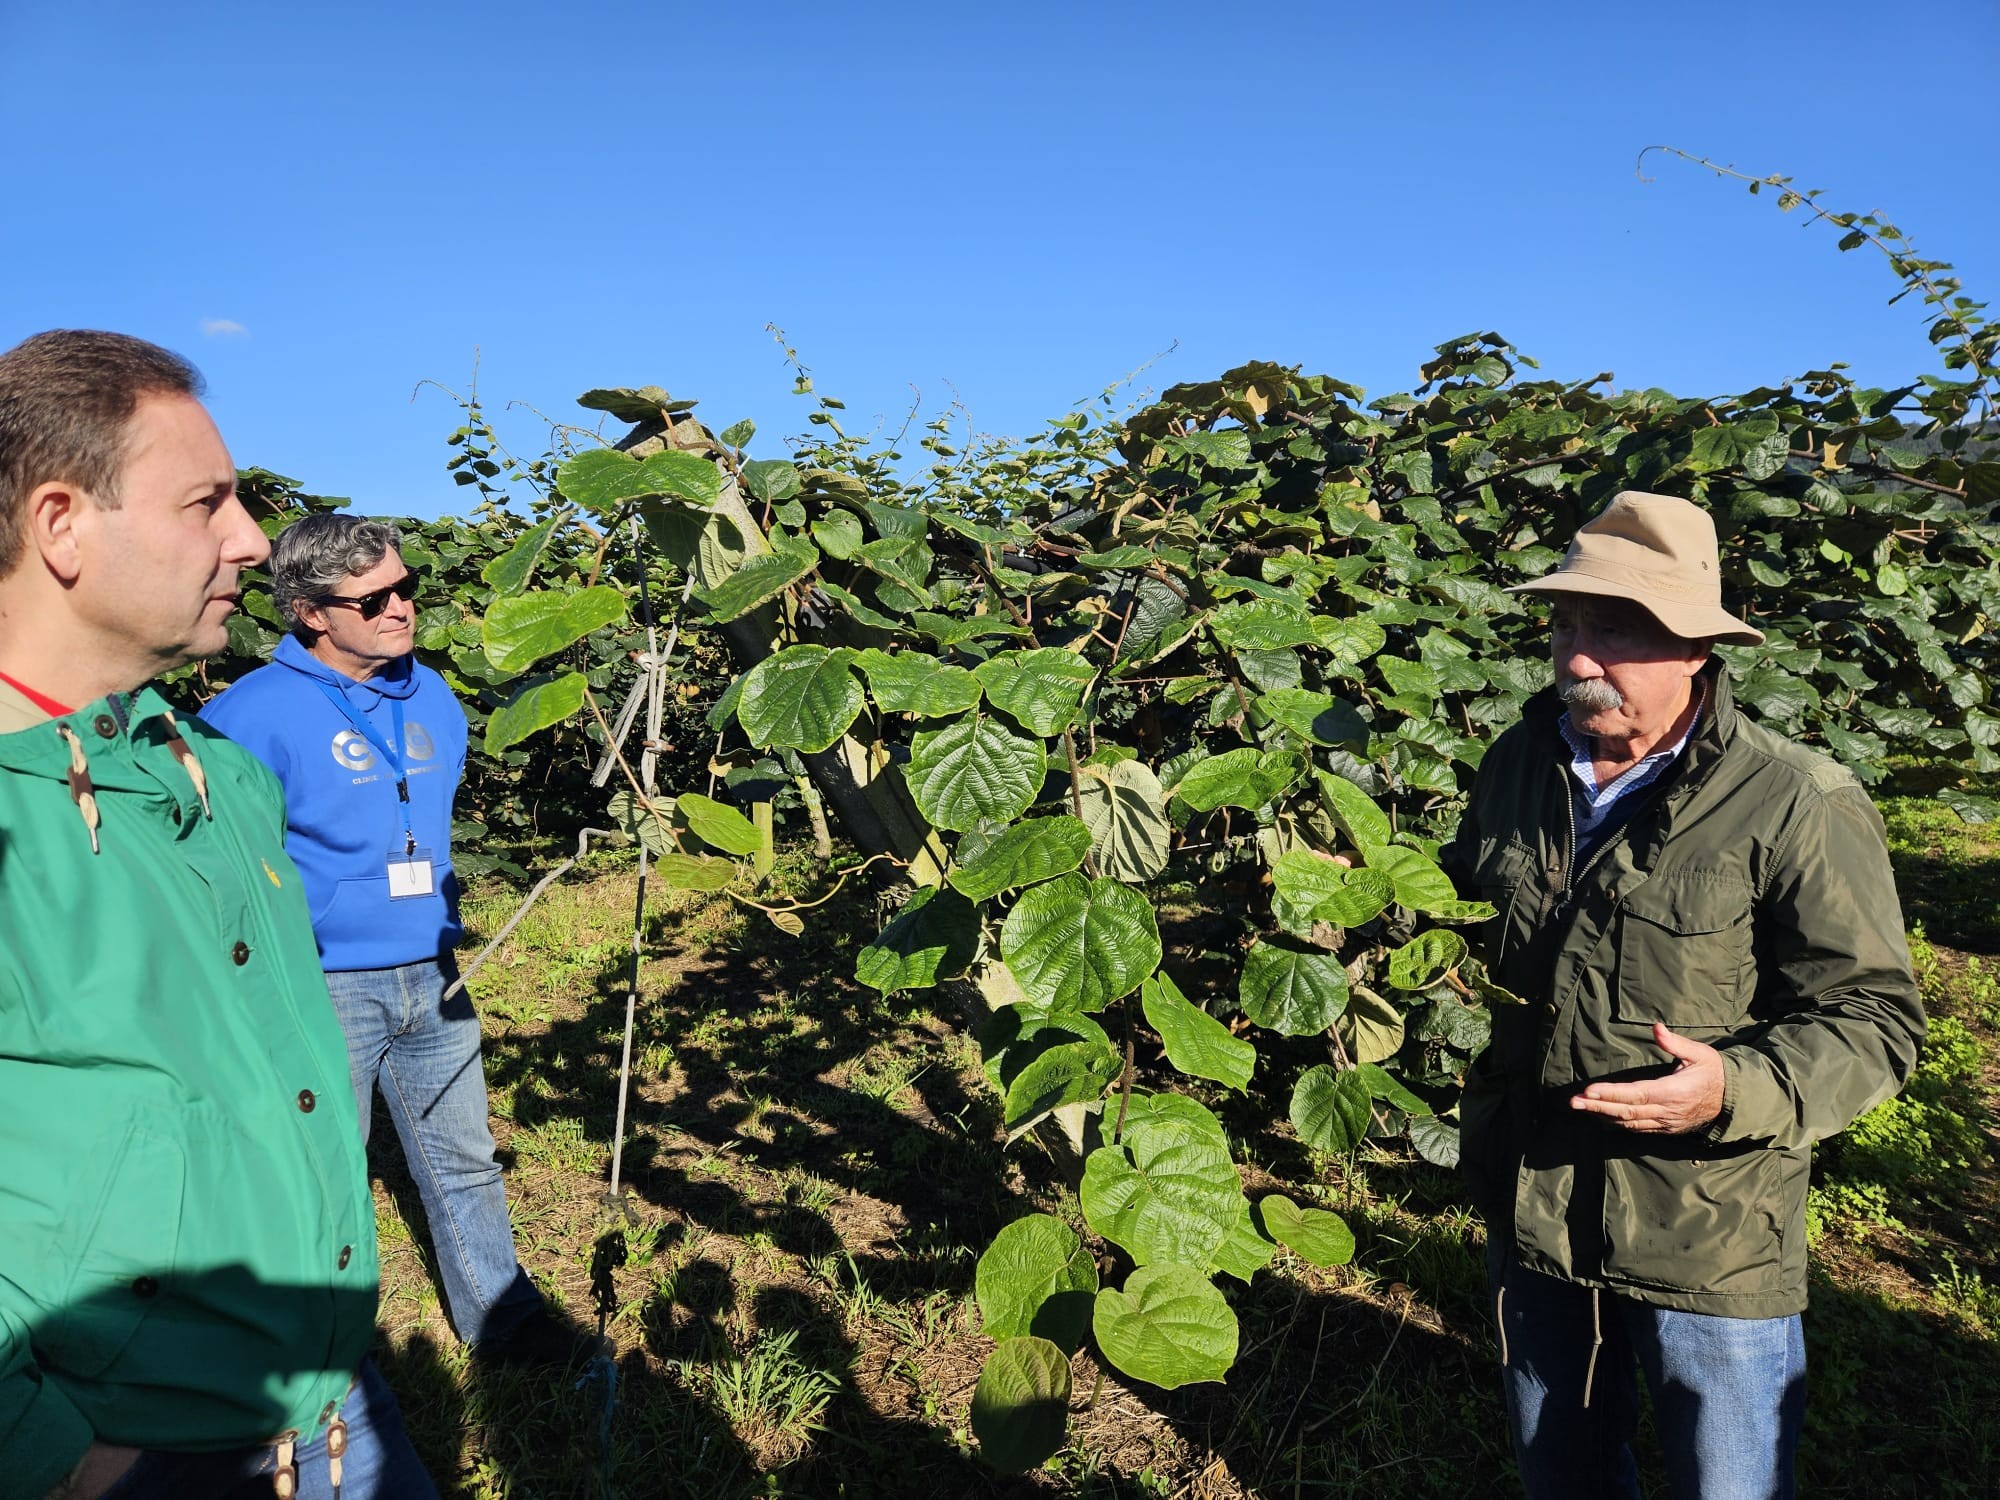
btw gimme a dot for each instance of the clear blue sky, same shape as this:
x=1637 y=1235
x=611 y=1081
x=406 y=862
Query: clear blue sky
x=325 y=205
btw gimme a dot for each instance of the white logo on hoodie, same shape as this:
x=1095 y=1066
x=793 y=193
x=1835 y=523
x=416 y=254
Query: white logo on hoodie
x=351 y=752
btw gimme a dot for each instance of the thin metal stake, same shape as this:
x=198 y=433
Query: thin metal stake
x=655 y=687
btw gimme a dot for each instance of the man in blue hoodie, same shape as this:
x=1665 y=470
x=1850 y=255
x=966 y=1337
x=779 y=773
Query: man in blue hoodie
x=370 y=746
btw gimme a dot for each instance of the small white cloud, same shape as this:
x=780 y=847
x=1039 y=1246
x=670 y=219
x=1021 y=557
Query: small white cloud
x=222 y=328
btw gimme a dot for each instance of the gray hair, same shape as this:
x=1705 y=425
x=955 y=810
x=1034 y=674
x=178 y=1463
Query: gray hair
x=312 y=558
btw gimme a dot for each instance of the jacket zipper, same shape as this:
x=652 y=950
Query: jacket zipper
x=1573 y=877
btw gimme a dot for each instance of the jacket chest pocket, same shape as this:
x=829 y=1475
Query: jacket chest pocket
x=1501 y=875
x=1685 y=954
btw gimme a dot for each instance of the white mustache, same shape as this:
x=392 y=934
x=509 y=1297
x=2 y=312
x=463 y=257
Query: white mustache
x=1594 y=695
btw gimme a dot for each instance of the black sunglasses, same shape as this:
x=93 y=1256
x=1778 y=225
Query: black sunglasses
x=370 y=605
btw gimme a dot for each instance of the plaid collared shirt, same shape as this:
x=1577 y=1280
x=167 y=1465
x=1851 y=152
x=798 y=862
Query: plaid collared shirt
x=1594 y=803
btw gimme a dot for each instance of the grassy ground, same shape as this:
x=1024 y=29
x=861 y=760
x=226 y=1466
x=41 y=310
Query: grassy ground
x=813 y=1170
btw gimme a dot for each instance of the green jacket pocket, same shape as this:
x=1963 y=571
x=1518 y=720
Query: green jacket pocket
x=123 y=1251
x=1684 y=954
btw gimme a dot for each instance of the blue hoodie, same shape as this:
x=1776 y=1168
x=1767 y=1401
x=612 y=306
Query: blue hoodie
x=342 y=817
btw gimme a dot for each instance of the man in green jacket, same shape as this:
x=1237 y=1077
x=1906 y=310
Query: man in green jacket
x=1700 y=920
x=187 y=1240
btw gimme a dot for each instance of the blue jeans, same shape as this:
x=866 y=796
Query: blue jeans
x=424 y=1051
x=1729 y=1394
x=379 y=1463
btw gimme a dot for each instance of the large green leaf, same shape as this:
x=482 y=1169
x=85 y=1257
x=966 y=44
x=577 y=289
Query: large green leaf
x=1386 y=1086
x=839 y=534
x=1355 y=811
x=1238 y=778
x=520 y=630
x=1311 y=1233
x=1370 y=1028
x=1169 y=1326
x=695 y=872
x=1228 y=448
x=1015 y=1035
x=654 y=829
x=1436 y=1140
x=1418 y=963
x=760 y=579
x=933 y=937
x=1196 y=1042
x=1348 y=641
x=1311 y=887
x=801 y=699
x=858 y=608
x=1262 y=625
x=771 y=479
x=908 y=682
x=1169 y=1194
x=632 y=403
x=718 y=824
x=1969 y=807
x=1020 y=1408
x=509 y=572
x=1757 y=444
x=1036 y=850
x=1330 y=1110
x=1247 y=1250
x=1319 y=717
x=1040 y=689
x=1078 y=944
x=1036 y=1278
x=1148 y=1112
x=535 y=706
x=602 y=480
x=1124 y=809
x=1457 y=1024
x=1420 y=884
x=1291 y=988
x=954 y=630
x=707 y=544
x=974 y=772
x=1069 y=1073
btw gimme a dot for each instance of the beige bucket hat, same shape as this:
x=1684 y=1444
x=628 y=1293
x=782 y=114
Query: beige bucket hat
x=1659 y=552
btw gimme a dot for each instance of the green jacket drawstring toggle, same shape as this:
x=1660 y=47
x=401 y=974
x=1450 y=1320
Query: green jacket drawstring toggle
x=80 y=790
x=285 y=1477
x=189 y=762
x=84 y=795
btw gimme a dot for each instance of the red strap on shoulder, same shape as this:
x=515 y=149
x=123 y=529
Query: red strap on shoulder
x=42 y=701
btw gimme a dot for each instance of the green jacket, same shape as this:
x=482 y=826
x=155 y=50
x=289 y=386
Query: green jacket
x=1749 y=904
x=187 y=1241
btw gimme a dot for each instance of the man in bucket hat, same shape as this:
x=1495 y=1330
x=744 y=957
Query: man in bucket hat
x=1700 y=921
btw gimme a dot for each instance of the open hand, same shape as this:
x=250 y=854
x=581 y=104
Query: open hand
x=1686 y=1099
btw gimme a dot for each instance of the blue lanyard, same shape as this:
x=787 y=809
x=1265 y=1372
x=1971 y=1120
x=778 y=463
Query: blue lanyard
x=391 y=754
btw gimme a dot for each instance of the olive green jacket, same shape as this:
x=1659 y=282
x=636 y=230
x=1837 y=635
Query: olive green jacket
x=1748 y=904
x=187 y=1241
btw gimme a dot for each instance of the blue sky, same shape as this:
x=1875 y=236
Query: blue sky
x=324 y=206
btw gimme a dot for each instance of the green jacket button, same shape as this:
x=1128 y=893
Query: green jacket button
x=145 y=1286
x=241 y=954
x=346 y=1254
x=306 y=1101
x=105 y=725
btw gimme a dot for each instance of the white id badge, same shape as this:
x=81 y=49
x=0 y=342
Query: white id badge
x=410 y=875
